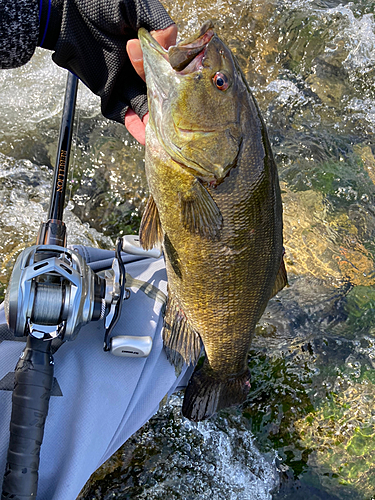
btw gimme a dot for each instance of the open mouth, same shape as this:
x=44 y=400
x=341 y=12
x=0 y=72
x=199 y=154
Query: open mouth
x=187 y=55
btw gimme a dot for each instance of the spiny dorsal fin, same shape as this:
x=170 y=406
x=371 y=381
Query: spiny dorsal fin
x=150 y=232
x=281 y=279
x=181 y=342
x=200 y=214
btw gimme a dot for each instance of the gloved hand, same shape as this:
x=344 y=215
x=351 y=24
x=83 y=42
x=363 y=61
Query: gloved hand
x=89 y=38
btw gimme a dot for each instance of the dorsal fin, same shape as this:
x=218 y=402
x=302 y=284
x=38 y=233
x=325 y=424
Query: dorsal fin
x=281 y=279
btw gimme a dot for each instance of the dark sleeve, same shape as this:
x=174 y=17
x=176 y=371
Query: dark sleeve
x=89 y=39
x=92 y=44
x=19 y=31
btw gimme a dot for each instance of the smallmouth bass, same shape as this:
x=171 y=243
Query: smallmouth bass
x=215 y=207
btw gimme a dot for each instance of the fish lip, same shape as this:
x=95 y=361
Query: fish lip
x=196 y=63
x=146 y=38
x=182 y=55
x=185 y=57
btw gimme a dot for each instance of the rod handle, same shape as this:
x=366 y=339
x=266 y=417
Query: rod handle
x=30 y=401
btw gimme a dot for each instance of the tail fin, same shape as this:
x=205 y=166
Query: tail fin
x=207 y=394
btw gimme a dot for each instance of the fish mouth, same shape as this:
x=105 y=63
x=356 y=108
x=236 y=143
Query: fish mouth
x=191 y=50
x=187 y=56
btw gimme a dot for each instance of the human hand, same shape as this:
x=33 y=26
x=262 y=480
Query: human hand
x=167 y=37
x=89 y=38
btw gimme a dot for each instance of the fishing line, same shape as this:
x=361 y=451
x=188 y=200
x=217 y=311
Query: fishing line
x=47 y=21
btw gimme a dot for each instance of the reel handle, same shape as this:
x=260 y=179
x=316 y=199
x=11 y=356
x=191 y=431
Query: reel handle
x=30 y=401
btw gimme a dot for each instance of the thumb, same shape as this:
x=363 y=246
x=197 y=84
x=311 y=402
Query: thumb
x=165 y=37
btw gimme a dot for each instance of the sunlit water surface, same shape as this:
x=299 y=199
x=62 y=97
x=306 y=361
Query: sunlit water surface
x=308 y=425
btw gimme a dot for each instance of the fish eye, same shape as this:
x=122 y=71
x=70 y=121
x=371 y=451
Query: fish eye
x=221 y=81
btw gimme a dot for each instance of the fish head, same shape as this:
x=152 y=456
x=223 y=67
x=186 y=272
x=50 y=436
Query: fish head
x=194 y=96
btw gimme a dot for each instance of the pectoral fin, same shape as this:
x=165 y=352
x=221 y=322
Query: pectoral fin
x=281 y=279
x=181 y=342
x=200 y=214
x=150 y=232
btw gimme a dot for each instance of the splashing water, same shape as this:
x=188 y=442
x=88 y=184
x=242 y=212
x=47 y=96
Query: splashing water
x=174 y=458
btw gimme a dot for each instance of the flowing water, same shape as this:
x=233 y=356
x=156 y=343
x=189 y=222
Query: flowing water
x=308 y=426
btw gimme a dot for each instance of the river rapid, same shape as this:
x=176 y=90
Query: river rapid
x=308 y=426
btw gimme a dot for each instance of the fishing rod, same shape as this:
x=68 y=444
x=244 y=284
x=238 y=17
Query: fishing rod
x=35 y=368
x=52 y=293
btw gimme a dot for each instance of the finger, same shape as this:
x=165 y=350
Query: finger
x=166 y=38
x=133 y=48
x=136 y=126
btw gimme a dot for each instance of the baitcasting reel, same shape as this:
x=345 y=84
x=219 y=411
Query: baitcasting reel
x=53 y=293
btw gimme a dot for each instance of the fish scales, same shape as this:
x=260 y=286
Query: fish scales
x=215 y=190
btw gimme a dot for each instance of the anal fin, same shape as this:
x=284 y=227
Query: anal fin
x=200 y=214
x=181 y=342
x=150 y=232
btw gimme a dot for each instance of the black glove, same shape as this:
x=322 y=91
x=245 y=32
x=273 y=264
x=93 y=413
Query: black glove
x=89 y=38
